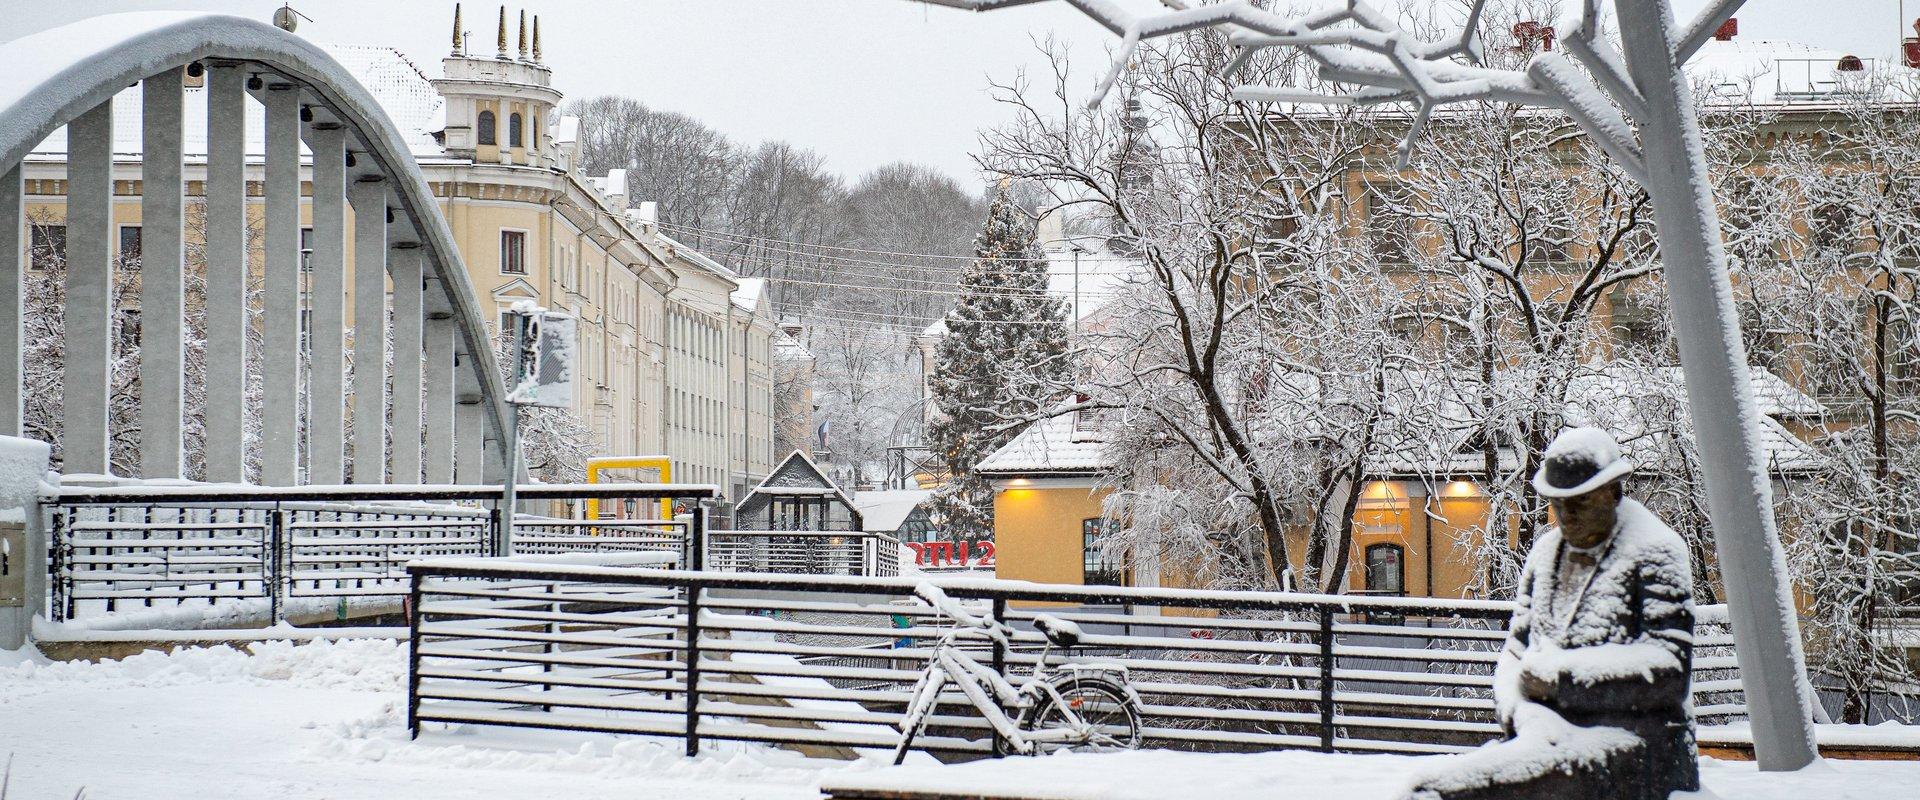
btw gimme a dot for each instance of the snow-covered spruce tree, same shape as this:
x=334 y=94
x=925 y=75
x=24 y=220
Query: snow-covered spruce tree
x=1002 y=364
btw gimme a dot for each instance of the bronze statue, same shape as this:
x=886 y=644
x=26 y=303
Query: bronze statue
x=1592 y=687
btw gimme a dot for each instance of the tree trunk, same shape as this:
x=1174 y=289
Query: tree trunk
x=1739 y=494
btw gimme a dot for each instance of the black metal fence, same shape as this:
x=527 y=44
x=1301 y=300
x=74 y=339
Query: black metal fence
x=118 y=548
x=829 y=661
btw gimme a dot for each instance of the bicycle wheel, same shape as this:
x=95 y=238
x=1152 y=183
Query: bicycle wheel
x=1112 y=718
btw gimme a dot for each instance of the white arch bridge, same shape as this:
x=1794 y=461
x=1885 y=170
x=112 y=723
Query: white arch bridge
x=261 y=480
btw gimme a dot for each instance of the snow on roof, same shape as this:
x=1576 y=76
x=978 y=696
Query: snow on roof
x=886 y=511
x=785 y=347
x=1634 y=405
x=1060 y=444
x=567 y=130
x=1099 y=273
x=1769 y=72
x=402 y=90
x=747 y=297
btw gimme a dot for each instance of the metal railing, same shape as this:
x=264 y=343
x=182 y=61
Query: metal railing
x=118 y=548
x=830 y=661
x=804 y=552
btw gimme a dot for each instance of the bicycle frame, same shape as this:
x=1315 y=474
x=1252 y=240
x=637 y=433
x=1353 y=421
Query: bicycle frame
x=992 y=695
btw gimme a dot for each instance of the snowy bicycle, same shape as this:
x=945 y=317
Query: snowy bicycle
x=1056 y=707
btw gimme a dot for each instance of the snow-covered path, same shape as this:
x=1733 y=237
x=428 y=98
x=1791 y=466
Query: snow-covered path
x=322 y=720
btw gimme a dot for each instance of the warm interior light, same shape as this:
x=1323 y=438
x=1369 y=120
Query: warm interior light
x=1462 y=489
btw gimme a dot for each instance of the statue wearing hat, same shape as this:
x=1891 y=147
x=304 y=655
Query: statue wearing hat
x=1592 y=686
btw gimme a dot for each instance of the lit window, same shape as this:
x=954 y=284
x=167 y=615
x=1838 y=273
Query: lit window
x=513 y=252
x=1386 y=569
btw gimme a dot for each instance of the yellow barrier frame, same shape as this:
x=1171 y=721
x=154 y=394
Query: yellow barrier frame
x=661 y=464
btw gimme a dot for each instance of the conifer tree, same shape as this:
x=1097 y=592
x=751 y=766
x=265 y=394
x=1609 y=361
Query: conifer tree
x=1003 y=360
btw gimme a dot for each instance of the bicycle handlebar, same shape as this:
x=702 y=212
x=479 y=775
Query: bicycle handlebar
x=938 y=598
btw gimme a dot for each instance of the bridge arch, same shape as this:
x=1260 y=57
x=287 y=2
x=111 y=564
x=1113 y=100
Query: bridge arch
x=67 y=77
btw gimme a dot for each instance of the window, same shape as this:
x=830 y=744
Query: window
x=513 y=130
x=1389 y=232
x=1386 y=569
x=306 y=249
x=1098 y=568
x=130 y=246
x=49 y=243
x=533 y=132
x=513 y=252
x=484 y=126
x=1833 y=228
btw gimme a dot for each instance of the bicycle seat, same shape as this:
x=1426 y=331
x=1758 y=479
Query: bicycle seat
x=1062 y=633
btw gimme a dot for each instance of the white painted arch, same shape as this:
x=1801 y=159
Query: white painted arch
x=49 y=78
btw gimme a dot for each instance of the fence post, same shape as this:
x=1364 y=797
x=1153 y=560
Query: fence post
x=413 y=655
x=692 y=671
x=999 y=668
x=1326 y=678
x=61 y=608
x=697 y=537
x=274 y=571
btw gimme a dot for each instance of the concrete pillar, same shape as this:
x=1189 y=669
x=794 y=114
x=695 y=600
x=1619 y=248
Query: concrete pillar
x=91 y=248
x=226 y=198
x=326 y=282
x=280 y=301
x=13 y=264
x=407 y=321
x=162 y=266
x=470 y=428
x=438 y=409
x=369 y=199
x=23 y=581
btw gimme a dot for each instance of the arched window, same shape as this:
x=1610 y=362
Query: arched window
x=533 y=132
x=486 y=132
x=1386 y=569
x=513 y=130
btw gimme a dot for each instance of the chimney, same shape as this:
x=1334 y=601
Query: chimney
x=1727 y=30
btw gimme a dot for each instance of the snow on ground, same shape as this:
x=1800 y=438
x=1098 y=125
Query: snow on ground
x=323 y=720
x=326 y=719
x=1160 y=774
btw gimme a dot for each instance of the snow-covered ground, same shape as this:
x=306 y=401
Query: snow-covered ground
x=326 y=720
x=322 y=720
x=1160 y=774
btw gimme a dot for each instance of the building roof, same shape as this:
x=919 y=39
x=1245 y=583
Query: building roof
x=1635 y=405
x=797 y=466
x=748 y=295
x=1061 y=445
x=886 y=511
x=1770 y=72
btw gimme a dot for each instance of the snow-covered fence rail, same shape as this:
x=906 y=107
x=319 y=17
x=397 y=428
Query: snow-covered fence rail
x=830 y=660
x=804 y=552
x=117 y=549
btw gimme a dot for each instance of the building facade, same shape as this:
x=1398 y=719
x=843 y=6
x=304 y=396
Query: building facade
x=672 y=364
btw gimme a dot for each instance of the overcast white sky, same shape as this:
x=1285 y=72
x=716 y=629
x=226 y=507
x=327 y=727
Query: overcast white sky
x=863 y=82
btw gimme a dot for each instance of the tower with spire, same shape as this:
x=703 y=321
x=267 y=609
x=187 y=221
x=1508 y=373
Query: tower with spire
x=498 y=109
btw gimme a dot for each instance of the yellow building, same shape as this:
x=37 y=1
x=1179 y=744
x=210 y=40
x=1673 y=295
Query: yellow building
x=676 y=359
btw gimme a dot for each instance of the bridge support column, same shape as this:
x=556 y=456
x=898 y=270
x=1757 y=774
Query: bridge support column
x=280 y=346
x=226 y=193
x=89 y=309
x=326 y=276
x=162 y=265
x=470 y=428
x=369 y=197
x=407 y=312
x=13 y=264
x=438 y=411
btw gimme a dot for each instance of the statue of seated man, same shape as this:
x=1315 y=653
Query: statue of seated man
x=1592 y=687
